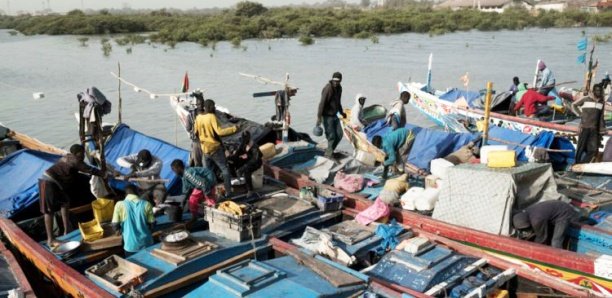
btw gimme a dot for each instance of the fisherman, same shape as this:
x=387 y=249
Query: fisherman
x=56 y=186
x=592 y=124
x=198 y=186
x=195 y=156
x=540 y=217
x=606 y=85
x=397 y=114
x=546 y=80
x=396 y=146
x=534 y=102
x=246 y=159
x=357 y=120
x=145 y=166
x=515 y=84
x=133 y=218
x=210 y=133
x=329 y=107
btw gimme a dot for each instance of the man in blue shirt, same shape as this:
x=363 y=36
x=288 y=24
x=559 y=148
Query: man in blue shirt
x=198 y=185
x=396 y=146
x=134 y=218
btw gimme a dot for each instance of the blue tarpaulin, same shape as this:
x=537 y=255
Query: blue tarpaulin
x=126 y=141
x=455 y=94
x=19 y=173
x=430 y=144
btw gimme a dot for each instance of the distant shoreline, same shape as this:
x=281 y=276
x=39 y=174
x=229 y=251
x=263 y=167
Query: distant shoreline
x=253 y=21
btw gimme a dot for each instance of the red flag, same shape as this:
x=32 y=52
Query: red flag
x=185 y=85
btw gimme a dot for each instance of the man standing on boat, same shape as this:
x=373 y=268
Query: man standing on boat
x=396 y=146
x=329 y=107
x=56 y=186
x=540 y=217
x=397 y=114
x=145 y=166
x=195 y=156
x=134 y=218
x=546 y=80
x=210 y=133
x=592 y=124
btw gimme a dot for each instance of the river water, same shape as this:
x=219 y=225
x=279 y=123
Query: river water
x=60 y=68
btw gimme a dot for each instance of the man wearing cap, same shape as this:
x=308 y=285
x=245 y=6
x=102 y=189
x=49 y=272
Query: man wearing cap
x=543 y=216
x=56 y=186
x=329 y=107
x=546 y=80
x=146 y=167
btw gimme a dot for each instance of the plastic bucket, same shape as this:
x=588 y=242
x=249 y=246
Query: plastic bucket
x=258 y=178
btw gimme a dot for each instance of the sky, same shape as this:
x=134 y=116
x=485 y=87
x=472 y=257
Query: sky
x=14 y=6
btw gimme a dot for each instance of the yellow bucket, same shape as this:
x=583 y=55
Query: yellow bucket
x=91 y=230
x=103 y=209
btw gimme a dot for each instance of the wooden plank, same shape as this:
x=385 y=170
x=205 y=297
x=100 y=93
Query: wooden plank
x=68 y=279
x=198 y=276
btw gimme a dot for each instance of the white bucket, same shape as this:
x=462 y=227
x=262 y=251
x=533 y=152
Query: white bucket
x=258 y=177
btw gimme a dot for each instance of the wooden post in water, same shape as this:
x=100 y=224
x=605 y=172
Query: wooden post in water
x=485 y=134
x=119 y=90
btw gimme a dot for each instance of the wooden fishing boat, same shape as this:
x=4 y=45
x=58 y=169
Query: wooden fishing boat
x=14 y=280
x=446 y=113
x=13 y=141
x=585 y=270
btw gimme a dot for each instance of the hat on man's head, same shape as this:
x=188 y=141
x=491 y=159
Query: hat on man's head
x=520 y=220
x=337 y=76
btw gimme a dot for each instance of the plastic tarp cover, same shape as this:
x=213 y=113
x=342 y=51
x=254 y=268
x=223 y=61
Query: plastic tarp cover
x=482 y=198
x=455 y=94
x=22 y=169
x=126 y=141
x=430 y=144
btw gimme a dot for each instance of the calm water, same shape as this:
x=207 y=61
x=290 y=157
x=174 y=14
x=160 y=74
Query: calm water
x=60 y=68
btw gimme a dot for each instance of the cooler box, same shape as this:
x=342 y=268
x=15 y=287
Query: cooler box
x=501 y=159
x=329 y=201
x=485 y=150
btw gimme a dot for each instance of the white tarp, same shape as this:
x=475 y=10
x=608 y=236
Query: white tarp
x=482 y=198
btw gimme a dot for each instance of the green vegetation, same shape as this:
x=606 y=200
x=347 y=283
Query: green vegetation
x=83 y=40
x=253 y=20
x=603 y=38
x=306 y=40
x=107 y=48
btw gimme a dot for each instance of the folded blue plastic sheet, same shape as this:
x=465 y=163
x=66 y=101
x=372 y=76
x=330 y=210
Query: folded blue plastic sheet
x=20 y=172
x=126 y=141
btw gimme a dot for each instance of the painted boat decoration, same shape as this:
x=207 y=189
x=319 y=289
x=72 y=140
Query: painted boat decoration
x=446 y=114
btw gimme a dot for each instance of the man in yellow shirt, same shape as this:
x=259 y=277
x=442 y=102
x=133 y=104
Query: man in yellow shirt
x=134 y=217
x=210 y=133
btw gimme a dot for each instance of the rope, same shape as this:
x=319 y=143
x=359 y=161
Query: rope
x=152 y=95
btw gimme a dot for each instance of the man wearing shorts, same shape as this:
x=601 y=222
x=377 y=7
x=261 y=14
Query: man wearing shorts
x=55 y=186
